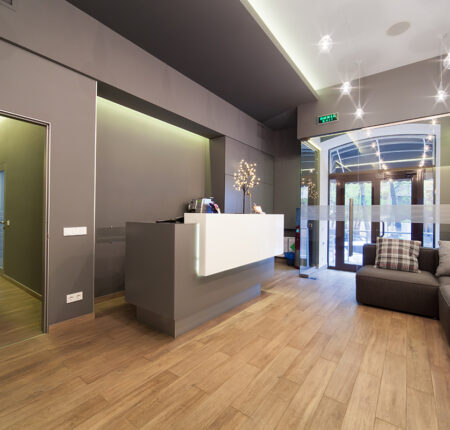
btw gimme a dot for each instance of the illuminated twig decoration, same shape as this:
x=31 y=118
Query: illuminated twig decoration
x=245 y=179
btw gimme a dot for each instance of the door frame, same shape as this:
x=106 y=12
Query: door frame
x=46 y=206
x=375 y=177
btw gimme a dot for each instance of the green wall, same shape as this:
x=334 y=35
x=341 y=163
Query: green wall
x=22 y=154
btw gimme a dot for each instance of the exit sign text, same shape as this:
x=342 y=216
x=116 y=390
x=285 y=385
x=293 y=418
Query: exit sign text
x=323 y=119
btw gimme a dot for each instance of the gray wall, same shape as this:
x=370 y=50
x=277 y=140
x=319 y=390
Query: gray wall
x=61 y=32
x=22 y=156
x=396 y=95
x=146 y=170
x=36 y=88
x=226 y=154
x=287 y=176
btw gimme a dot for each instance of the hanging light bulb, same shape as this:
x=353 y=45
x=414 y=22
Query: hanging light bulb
x=325 y=43
x=359 y=112
x=346 y=88
x=441 y=95
x=447 y=61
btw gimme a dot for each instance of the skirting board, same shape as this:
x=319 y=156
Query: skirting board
x=70 y=323
x=177 y=327
x=106 y=297
x=23 y=287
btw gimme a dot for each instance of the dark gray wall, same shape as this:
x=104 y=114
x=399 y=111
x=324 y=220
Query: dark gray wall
x=396 y=95
x=287 y=176
x=22 y=156
x=36 y=88
x=146 y=170
x=226 y=154
x=59 y=31
x=184 y=34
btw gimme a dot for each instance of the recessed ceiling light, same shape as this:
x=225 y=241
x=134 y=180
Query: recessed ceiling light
x=346 y=88
x=325 y=43
x=359 y=112
x=374 y=144
x=441 y=95
x=398 y=28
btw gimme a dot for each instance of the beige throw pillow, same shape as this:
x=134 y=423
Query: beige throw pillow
x=444 y=258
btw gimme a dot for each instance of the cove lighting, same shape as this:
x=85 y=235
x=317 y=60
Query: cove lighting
x=325 y=43
x=346 y=88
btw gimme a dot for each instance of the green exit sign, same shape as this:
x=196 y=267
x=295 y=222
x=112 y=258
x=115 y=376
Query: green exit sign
x=323 y=119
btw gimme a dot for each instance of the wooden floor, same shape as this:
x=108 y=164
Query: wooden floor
x=303 y=355
x=20 y=314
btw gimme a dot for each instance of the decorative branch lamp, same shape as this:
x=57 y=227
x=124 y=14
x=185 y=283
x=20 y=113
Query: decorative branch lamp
x=245 y=179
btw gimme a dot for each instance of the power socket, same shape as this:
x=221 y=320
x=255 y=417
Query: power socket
x=75 y=297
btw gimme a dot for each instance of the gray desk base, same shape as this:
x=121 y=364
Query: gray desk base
x=161 y=279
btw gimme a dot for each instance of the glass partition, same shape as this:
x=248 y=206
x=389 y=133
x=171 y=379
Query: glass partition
x=389 y=181
x=309 y=197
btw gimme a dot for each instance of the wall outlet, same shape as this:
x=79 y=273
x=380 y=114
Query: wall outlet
x=75 y=231
x=75 y=297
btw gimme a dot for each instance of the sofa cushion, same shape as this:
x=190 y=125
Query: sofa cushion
x=444 y=258
x=444 y=282
x=397 y=254
x=415 y=293
x=444 y=305
x=421 y=278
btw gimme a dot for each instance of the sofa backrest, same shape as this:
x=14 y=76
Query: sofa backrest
x=428 y=257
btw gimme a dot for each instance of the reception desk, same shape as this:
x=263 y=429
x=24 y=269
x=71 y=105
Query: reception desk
x=181 y=275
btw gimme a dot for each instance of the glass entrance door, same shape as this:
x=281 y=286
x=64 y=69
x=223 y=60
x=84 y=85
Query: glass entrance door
x=350 y=235
x=397 y=194
x=358 y=231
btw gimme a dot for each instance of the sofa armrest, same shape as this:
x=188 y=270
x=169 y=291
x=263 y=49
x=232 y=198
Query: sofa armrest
x=369 y=254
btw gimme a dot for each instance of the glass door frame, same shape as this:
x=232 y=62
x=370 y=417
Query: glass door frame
x=375 y=177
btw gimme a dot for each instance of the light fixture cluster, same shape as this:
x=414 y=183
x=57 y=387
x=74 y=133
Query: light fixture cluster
x=245 y=178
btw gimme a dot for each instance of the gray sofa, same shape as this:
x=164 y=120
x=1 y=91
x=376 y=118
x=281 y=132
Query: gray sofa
x=418 y=293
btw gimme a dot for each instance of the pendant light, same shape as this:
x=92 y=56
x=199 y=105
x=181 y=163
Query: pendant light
x=359 y=112
x=441 y=95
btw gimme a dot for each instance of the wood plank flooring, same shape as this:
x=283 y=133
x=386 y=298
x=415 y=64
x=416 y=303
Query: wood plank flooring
x=20 y=314
x=304 y=355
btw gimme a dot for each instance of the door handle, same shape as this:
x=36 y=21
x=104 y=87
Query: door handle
x=6 y=223
x=382 y=228
x=350 y=227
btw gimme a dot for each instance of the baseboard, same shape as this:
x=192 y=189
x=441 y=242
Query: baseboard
x=176 y=327
x=72 y=322
x=106 y=297
x=23 y=287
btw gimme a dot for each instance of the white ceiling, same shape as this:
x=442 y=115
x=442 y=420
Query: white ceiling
x=358 y=29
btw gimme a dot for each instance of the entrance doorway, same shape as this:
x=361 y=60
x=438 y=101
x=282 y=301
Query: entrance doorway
x=22 y=228
x=395 y=190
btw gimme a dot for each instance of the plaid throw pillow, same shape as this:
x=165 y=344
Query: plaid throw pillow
x=397 y=254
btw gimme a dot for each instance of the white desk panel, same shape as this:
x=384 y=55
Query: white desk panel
x=227 y=241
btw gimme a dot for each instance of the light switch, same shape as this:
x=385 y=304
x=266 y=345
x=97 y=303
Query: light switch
x=75 y=231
